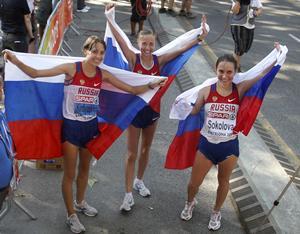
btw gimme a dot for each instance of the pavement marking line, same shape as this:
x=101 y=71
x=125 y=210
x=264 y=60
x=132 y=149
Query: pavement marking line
x=240 y=188
x=236 y=179
x=272 y=145
x=256 y=216
x=250 y=206
x=236 y=169
x=238 y=199
x=261 y=228
x=294 y=37
x=288 y=152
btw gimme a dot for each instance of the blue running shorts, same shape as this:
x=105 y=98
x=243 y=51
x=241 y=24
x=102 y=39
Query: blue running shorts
x=145 y=117
x=218 y=152
x=79 y=133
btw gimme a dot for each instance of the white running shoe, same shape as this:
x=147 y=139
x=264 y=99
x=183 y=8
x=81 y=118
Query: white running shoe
x=128 y=202
x=85 y=208
x=139 y=186
x=187 y=212
x=74 y=224
x=87 y=7
x=215 y=221
x=83 y=10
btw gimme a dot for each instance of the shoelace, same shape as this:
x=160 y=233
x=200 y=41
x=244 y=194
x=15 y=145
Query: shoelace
x=215 y=216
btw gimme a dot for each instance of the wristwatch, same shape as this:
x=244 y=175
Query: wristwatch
x=199 y=39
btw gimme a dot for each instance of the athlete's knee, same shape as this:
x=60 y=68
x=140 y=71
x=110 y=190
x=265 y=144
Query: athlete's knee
x=84 y=167
x=145 y=150
x=83 y=172
x=69 y=176
x=131 y=156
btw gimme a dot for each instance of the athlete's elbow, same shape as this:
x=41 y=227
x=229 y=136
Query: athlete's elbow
x=135 y=91
x=34 y=74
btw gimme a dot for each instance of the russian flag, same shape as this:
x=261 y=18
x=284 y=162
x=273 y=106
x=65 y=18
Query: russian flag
x=170 y=69
x=182 y=151
x=34 y=107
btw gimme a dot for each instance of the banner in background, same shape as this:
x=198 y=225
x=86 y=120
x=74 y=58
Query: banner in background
x=57 y=24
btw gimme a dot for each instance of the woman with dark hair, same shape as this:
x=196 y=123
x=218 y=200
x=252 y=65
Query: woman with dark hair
x=243 y=24
x=218 y=144
x=83 y=82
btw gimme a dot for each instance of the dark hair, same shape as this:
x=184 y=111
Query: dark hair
x=146 y=33
x=91 y=42
x=227 y=58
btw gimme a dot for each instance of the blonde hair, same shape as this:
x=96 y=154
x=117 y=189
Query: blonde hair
x=146 y=33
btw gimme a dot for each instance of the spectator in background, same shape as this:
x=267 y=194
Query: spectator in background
x=170 y=10
x=244 y=13
x=43 y=12
x=138 y=15
x=81 y=7
x=186 y=9
x=16 y=25
x=32 y=46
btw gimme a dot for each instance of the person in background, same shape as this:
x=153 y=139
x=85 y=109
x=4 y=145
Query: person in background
x=138 y=15
x=170 y=10
x=82 y=7
x=16 y=25
x=186 y=6
x=244 y=13
x=44 y=10
x=32 y=46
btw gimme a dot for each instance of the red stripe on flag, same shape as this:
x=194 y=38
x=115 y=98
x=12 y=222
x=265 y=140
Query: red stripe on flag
x=36 y=139
x=109 y=133
x=155 y=101
x=247 y=113
x=182 y=151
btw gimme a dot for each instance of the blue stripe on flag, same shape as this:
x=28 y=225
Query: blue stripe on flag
x=113 y=57
x=260 y=88
x=174 y=66
x=125 y=107
x=33 y=100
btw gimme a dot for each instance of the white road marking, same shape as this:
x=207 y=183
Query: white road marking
x=294 y=37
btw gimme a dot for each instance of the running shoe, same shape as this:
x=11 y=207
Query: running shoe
x=190 y=15
x=128 y=202
x=215 y=221
x=187 y=212
x=85 y=208
x=74 y=224
x=83 y=10
x=139 y=186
